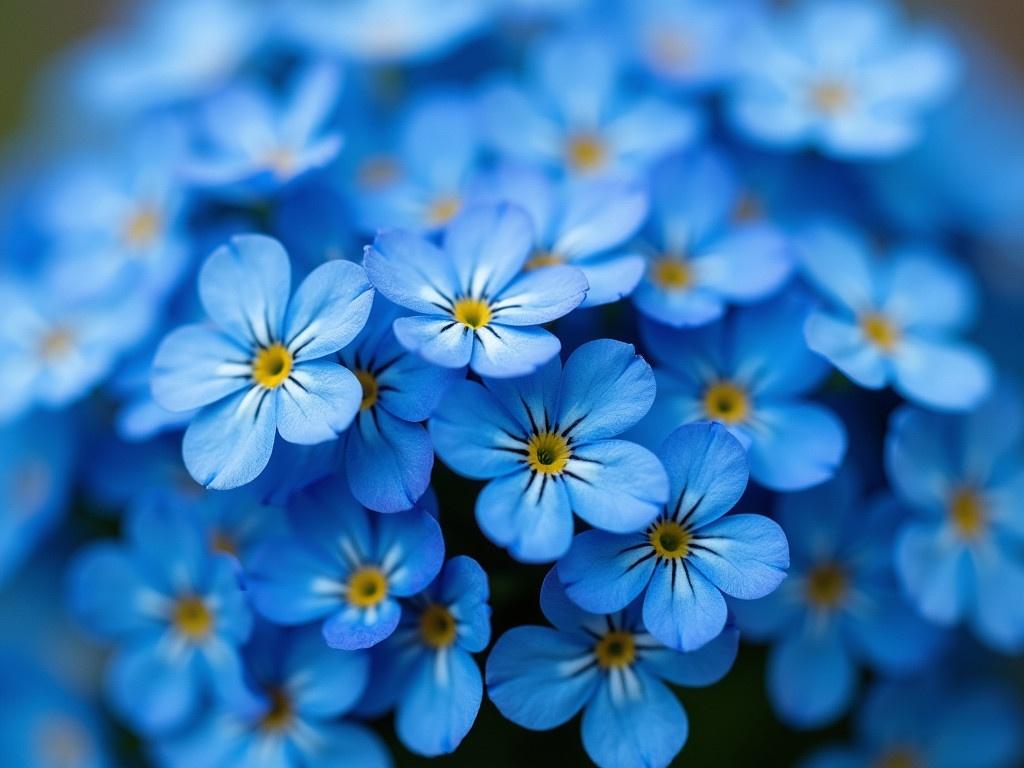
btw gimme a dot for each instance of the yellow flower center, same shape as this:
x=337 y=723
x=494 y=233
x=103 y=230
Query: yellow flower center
x=279 y=716
x=223 y=543
x=543 y=259
x=898 y=758
x=142 y=227
x=967 y=513
x=548 y=453
x=443 y=210
x=472 y=313
x=367 y=587
x=585 y=152
x=671 y=273
x=272 y=365
x=377 y=172
x=748 y=208
x=192 y=618
x=616 y=649
x=282 y=162
x=826 y=586
x=726 y=402
x=437 y=626
x=879 y=330
x=57 y=343
x=670 y=540
x=830 y=97
x=371 y=390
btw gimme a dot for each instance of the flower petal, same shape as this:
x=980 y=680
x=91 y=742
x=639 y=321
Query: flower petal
x=352 y=629
x=195 y=366
x=441 y=702
x=942 y=375
x=682 y=609
x=317 y=402
x=604 y=572
x=745 y=556
x=488 y=245
x=411 y=271
x=471 y=432
x=439 y=340
x=540 y=296
x=328 y=310
x=529 y=515
x=795 y=445
x=811 y=677
x=505 y=351
x=387 y=461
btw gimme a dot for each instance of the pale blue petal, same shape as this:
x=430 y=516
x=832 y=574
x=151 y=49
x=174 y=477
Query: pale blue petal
x=604 y=572
x=245 y=286
x=795 y=445
x=538 y=678
x=651 y=129
x=387 y=461
x=927 y=290
x=921 y=457
x=411 y=547
x=998 y=611
x=606 y=389
x=440 y=703
x=515 y=126
x=682 y=609
x=488 y=246
x=616 y=485
x=540 y=296
x=695 y=669
x=411 y=271
x=611 y=278
x=471 y=432
x=317 y=402
x=599 y=216
x=530 y=516
x=195 y=366
x=745 y=265
x=320 y=681
x=835 y=259
x=439 y=340
x=504 y=351
x=328 y=310
x=229 y=442
x=942 y=375
x=745 y=556
x=151 y=688
x=293 y=584
x=353 y=629
x=811 y=677
x=843 y=343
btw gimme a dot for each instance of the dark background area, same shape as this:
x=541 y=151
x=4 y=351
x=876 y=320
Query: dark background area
x=731 y=723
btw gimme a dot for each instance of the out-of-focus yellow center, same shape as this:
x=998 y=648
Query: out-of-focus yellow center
x=472 y=313
x=585 y=152
x=826 y=585
x=142 y=227
x=726 y=402
x=280 y=714
x=543 y=259
x=223 y=543
x=967 y=513
x=547 y=453
x=282 y=161
x=879 y=330
x=670 y=540
x=437 y=626
x=443 y=210
x=830 y=97
x=272 y=365
x=371 y=389
x=671 y=273
x=377 y=172
x=898 y=758
x=367 y=587
x=192 y=618
x=57 y=343
x=670 y=48
x=615 y=649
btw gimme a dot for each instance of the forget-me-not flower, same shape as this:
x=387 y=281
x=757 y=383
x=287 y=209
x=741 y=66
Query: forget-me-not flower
x=894 y=321
x=304 y=688
x=178 y=615
x=545 y=444
x=388 y=453
x=840 y=607
x=260 y=368
x=841 y=76
x=345 y=565
x=612 y=669
x=475 y=307
x=750 y=371
x=584 y=223
x=961 y=557
x=425 y=670
x=699 y=258
x=690 y=555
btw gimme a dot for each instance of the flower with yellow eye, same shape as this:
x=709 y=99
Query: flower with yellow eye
x=545 y=443
x=894 y=321
x=263 y=367
x=691 y=555
x=475 y=305
x=433 y=683
x=345 y=566
x=610 y=667
x=750 y=372
x=176 y=611
x=961 y=554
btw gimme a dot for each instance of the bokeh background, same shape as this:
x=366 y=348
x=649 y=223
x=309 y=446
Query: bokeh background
x=731 y=723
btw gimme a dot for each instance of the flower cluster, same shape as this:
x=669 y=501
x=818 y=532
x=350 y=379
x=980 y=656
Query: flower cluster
x=673 y=296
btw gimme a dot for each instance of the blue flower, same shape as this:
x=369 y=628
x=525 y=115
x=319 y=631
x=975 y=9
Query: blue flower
x=841 y=605
x=609 y=667
x=576 y=115
x=177 y=613
x=699 y=258
x=426 y=668
x=388 y=453
x=255 y=143
x=36 y=463
x=423 y=187
x=842 y=76
x=750 y=372
x=932 y=722
x=304 y=687
x=345 y=565
x=544 y=442
x=961 y=557
x=260 y=369
x=892 y=322
x=582 y=223
x=476 y=308
x=690 y=555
